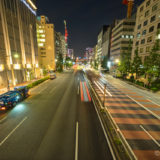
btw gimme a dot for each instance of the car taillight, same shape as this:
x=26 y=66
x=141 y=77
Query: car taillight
x=9 y=103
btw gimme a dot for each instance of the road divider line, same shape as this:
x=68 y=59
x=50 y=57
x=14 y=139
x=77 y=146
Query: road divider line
x=150 y=136
x=99 y=87
x=3 y=119
x=106 y=89
x=144 y=107
x=76 y=143
x=12 y=131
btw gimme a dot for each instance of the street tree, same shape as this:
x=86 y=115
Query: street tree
x=104 y=62
x=136 y=66
x=125 y=61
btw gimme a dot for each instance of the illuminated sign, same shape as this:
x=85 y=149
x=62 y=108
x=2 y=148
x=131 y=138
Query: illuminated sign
x=28 y=6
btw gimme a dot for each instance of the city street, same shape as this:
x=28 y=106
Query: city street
x=58 y=121
x=136 y=113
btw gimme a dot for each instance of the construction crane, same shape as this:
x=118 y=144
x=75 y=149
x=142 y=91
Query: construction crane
x=129 y=3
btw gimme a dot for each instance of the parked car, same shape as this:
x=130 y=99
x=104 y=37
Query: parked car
x=24 y=91
x=52 y=75
x=9 y=99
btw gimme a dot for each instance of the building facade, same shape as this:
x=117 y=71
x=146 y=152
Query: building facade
x=18 y=47
x=122 y=35
x=46 y=43
x=147 y=27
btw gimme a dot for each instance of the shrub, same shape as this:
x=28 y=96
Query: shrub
x=154 y=89
x=31 y=85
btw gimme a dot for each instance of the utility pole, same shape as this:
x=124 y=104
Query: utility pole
x=105 y=86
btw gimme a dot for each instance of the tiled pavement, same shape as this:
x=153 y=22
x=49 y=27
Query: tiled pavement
x=139 y=127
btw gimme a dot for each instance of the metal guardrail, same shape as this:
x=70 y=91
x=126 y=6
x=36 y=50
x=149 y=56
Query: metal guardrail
x=125 y=144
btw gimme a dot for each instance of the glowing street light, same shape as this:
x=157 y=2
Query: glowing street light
x=117 y=61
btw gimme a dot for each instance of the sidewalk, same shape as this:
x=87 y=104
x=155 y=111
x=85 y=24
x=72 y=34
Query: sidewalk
x=3 y=90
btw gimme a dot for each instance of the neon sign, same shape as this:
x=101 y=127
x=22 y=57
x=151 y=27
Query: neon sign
x=28 y=6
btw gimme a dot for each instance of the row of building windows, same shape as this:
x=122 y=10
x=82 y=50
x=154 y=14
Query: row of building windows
x=125 y=23
x=149 y=39
x=153 y=18
x=148 y=4
x=146 y=49
x=151 y=29
x=124 y=30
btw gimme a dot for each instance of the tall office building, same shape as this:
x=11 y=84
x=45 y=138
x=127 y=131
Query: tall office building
x=147 y=27
x=122 y=35
x=18 y=42
x=46 y=43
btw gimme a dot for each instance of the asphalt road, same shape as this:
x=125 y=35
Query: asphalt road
x=54 y=124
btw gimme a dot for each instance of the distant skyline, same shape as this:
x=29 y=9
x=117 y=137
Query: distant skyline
x=84 y=18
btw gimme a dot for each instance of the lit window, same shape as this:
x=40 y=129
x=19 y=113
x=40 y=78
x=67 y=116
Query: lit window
x=42 y=40
x=131 y=37
x=122 y=36
x=127 y=36
x=41 y=31
x=40 y=44
x=42 y=35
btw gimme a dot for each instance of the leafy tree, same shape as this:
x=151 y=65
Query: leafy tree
x=137 y=64
x=125 y=61
x=104 y=62
x=152 y=63
x=69 y=62
x=59 y=63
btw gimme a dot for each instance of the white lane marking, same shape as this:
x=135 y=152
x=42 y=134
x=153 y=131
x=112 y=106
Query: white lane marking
x=3 y=119
x=106 y=89
x=144 y=107
x=150 y=136
x=78 y=90
x=52 y=90
x=153 y=102
x=99 y=88
x=76 y=145
x=78 y=78
x=12 y=131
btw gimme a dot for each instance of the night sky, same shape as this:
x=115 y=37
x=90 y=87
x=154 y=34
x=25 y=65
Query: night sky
x=84 y=18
